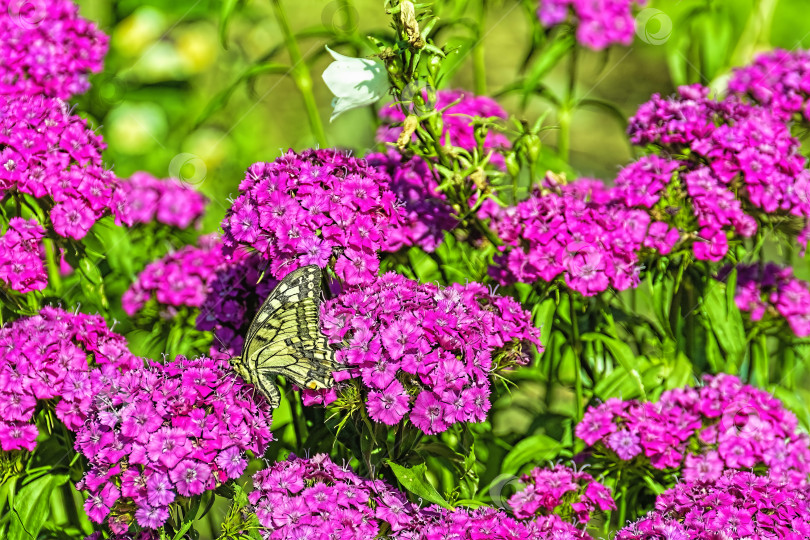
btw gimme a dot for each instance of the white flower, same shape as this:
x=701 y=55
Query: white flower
x=356 y=82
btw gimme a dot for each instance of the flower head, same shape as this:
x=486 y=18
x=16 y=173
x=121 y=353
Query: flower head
x=166 y=431
x=425 y=353
x=312 y=208
x=355 y=82
x=49 y=356
x=48 y=49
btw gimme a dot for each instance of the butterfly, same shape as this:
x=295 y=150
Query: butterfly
x=285 y=338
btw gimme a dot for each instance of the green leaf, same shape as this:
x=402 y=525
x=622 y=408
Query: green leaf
x=415 y=481
x=188 y=518
x=608 y=107
x=623 y=354
x=725 y=320
x=543 y=318
x=31 y=506
x=548 y=59
x=618 y=384
x=534 y=449
x=92 y=283
x=228 y=7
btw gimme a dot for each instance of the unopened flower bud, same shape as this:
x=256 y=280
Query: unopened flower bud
x=512 y=164
x=533 y=147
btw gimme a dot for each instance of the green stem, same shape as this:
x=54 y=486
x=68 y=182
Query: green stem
x=577 y=345
x=295 y=412
x=300 y=74
x=622 y=505
x=54 y=277
x=761 y=368
x=757 y=30
x=479 y=61
x=569 y=104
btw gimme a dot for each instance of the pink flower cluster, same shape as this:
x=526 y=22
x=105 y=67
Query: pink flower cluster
x=47 y=48
x=167 y=201
x=233 y=296
x=772 y=289
x=549 y=489
x=778 y=80
x=438 y=343
x=462 y=109
x=307 y=208
x=47 y=357
x=703 y=431
x=47 y=152
x=166 y=431
x=178 y=279
x=426 y=212
x=315 y=498
x=485 y=523
x=599 y=23
x=21 y=266
x=742 y=163
x=735 y=505
x=579 y=231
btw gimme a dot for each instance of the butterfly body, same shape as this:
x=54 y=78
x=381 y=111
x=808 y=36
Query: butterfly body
x=285 y=339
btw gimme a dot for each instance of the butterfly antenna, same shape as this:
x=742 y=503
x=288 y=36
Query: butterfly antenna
x=223 y=347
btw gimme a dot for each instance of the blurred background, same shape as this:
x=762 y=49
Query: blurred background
x=197 y=88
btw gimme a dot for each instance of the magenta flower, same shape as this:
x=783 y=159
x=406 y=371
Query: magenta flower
x=48 y=49
x=741 y=166
x=48 y=356
x=21 y=264
x=457 y=120
x=703 y=431
x=582 y=232
x=304 y=208
x=599 y=23
x=562 y=490
x=390 y=405
x=167 y=201
x=315 y=498
x=436 y=343
x=776 y=80
x=232 y=295
x=180 y=428
x=736 y=504
x=178 y=279
x=772 y=290
x=426 y=212
x=46 y=152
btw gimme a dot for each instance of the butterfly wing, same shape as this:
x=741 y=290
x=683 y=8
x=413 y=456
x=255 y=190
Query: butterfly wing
x=285 y=338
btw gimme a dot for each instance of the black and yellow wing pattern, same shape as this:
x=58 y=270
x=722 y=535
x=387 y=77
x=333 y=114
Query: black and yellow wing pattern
x=285 y=338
